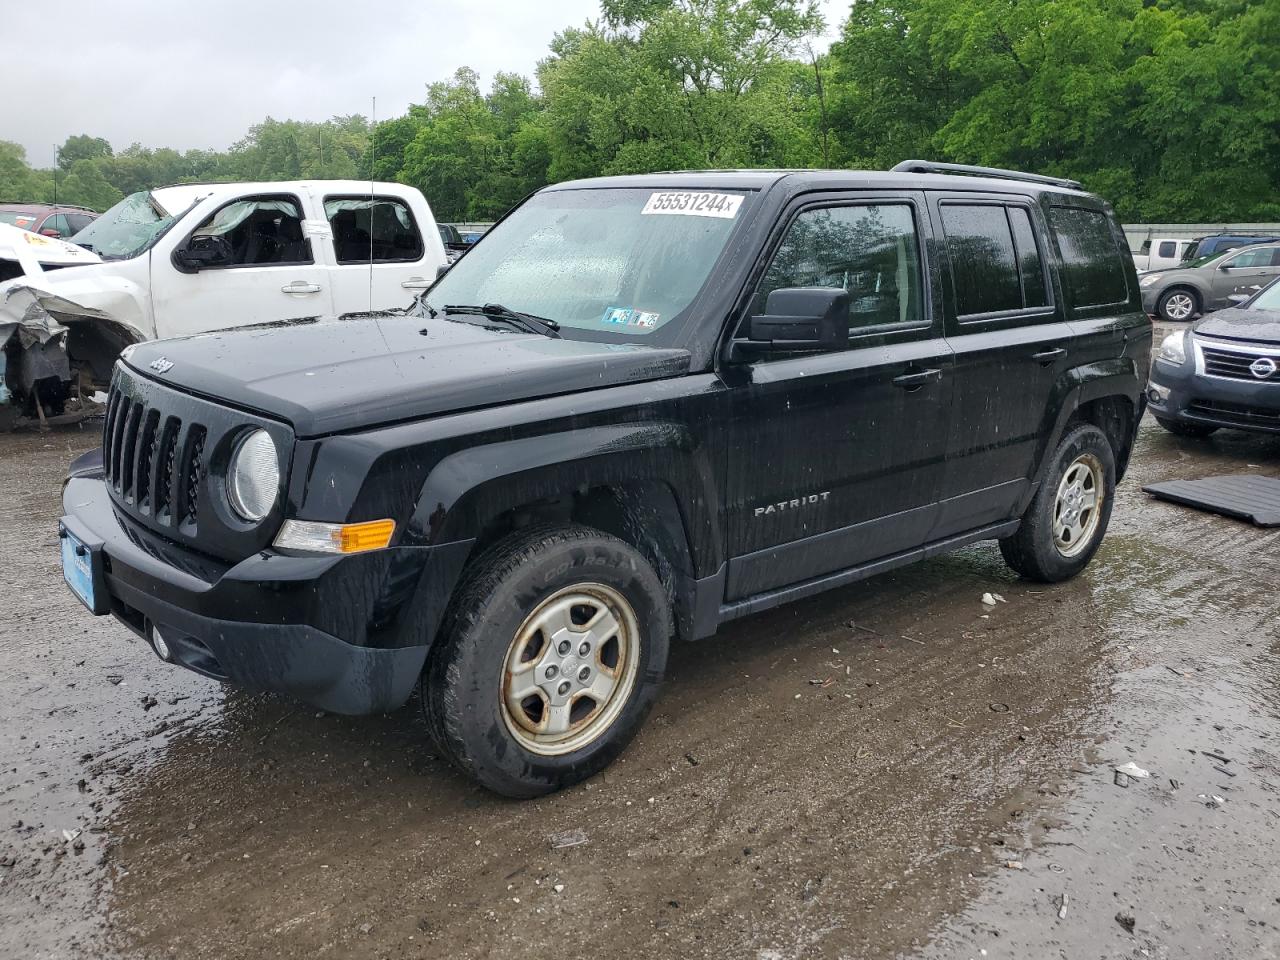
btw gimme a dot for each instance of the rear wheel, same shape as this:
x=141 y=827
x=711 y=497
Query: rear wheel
x=1177 y=305
x=1066 y=520
x=549 y=660
x=1182 y=429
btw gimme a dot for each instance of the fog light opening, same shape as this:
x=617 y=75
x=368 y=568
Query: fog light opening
x=1157 y=394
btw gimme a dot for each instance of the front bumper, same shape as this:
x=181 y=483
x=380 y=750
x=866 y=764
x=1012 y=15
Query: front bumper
x=346 y=634
x=1183 y=394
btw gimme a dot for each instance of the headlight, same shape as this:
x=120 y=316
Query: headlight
x=253 y=478
x=1174 y=348
x=1149 y=279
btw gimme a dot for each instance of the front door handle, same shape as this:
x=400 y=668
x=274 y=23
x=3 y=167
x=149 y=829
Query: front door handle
x=917 y=379
x=1046 y=357
x=300 y=286
x=415 y=283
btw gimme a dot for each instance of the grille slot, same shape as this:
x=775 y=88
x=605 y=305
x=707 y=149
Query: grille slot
x=164 y=469
x=108 y=431
x=192 y=475
x=128 y=453
x=147 y=445
x=1234 y=364
x=117 y=440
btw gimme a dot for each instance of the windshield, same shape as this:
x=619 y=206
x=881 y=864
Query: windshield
x=612 y=261
x=1268 y=299
x=1200 y=262
x=126 y=229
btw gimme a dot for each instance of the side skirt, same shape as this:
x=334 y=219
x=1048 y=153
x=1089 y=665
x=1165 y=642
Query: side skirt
x=774 y=598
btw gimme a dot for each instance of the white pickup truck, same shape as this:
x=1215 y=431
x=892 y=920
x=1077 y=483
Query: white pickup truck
x=1160 y=253
x=197 y=257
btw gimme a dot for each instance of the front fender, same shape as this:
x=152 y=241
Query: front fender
x=469 y=488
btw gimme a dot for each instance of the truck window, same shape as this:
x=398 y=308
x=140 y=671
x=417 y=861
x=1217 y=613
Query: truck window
x=259 y=231
x=1168 y=248
x=984 y=264
x=870 y=250
x=1092 y=268
x=372 y=229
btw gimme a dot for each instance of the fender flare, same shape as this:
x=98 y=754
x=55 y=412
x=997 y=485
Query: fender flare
x=1115 y=377
x=466 y=490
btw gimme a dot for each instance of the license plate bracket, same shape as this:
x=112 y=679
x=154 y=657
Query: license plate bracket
x=83 y=566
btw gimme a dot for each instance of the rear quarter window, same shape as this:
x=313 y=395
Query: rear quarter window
x=1092 y=260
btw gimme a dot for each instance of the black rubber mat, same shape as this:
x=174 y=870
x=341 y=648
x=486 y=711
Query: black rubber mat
x=1252 y=498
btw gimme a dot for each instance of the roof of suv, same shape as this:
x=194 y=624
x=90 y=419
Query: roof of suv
x=818 y=179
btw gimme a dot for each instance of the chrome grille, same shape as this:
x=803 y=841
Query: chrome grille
x=1235 y=364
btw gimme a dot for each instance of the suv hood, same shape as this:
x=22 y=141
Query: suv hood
x=365 y=370
x=1233 y=323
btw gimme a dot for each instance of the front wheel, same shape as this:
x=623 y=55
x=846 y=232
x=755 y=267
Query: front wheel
x=1177 y=305
x=1066 y=520
x=549 y=660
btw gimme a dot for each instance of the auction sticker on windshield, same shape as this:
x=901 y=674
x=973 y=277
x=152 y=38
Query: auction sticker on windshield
x=693 y=203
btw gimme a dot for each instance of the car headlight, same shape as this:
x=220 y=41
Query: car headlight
x=253 y=477
x=1149 y=279
x=1174 y=348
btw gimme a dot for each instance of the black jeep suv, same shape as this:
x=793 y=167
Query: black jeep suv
x=640 y=407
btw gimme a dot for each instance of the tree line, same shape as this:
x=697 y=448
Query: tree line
x=1168 y=108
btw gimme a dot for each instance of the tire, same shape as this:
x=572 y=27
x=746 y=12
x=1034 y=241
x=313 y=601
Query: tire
x=547 y=578
x=1037 y=551
x=1174 y=302
x=1182 y=429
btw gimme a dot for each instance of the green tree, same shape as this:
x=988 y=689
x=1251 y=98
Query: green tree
x=82 y=147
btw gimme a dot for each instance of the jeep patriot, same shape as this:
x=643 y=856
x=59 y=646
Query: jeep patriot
x=638 y=408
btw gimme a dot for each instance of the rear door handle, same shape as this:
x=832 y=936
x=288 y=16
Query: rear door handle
x=300 y=286
x=415 y=283
x=917 y=379
x=1047 y=357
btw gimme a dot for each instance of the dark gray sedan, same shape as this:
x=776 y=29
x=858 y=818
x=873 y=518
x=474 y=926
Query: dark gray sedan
x=1223 y=371
x=1207 y=284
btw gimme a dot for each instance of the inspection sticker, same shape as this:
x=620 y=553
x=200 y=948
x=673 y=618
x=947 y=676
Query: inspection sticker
x=626 y=317
x=693 y=203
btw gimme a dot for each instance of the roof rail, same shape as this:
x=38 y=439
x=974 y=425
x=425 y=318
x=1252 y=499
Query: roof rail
x=929 y=166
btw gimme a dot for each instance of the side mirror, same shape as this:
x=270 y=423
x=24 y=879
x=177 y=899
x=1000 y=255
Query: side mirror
x=1235 y=299
x=203 y=252
x=443 y=269
x=50 y=232
x=797 y=319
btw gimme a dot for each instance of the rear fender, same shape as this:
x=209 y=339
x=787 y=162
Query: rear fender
x=1115 y=377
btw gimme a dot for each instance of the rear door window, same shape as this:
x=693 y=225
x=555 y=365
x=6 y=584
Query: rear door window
x=1168 y=248
x=1092 y=264
x=373 y=230
x=78 y=221
x=997 y=267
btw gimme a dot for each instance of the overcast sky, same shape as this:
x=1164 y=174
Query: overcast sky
x=199 y=74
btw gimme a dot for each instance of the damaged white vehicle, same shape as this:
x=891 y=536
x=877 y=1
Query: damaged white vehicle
x=195 y=258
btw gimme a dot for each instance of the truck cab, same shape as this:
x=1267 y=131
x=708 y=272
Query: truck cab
x=193 y=258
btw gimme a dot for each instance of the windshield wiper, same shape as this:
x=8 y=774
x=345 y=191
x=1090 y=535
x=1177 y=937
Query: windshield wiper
x=496 y=311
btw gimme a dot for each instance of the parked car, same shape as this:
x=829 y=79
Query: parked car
x=454 y=245
x=1223 y=371
x=1160 y=253
x=1208 y=284
x=1221 y=243
x=643 y=407
x=57 y=221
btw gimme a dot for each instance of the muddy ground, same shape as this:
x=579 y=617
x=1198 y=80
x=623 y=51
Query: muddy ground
x=893 y=770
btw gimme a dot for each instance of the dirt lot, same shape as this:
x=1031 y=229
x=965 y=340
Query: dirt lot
x=892 y=770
